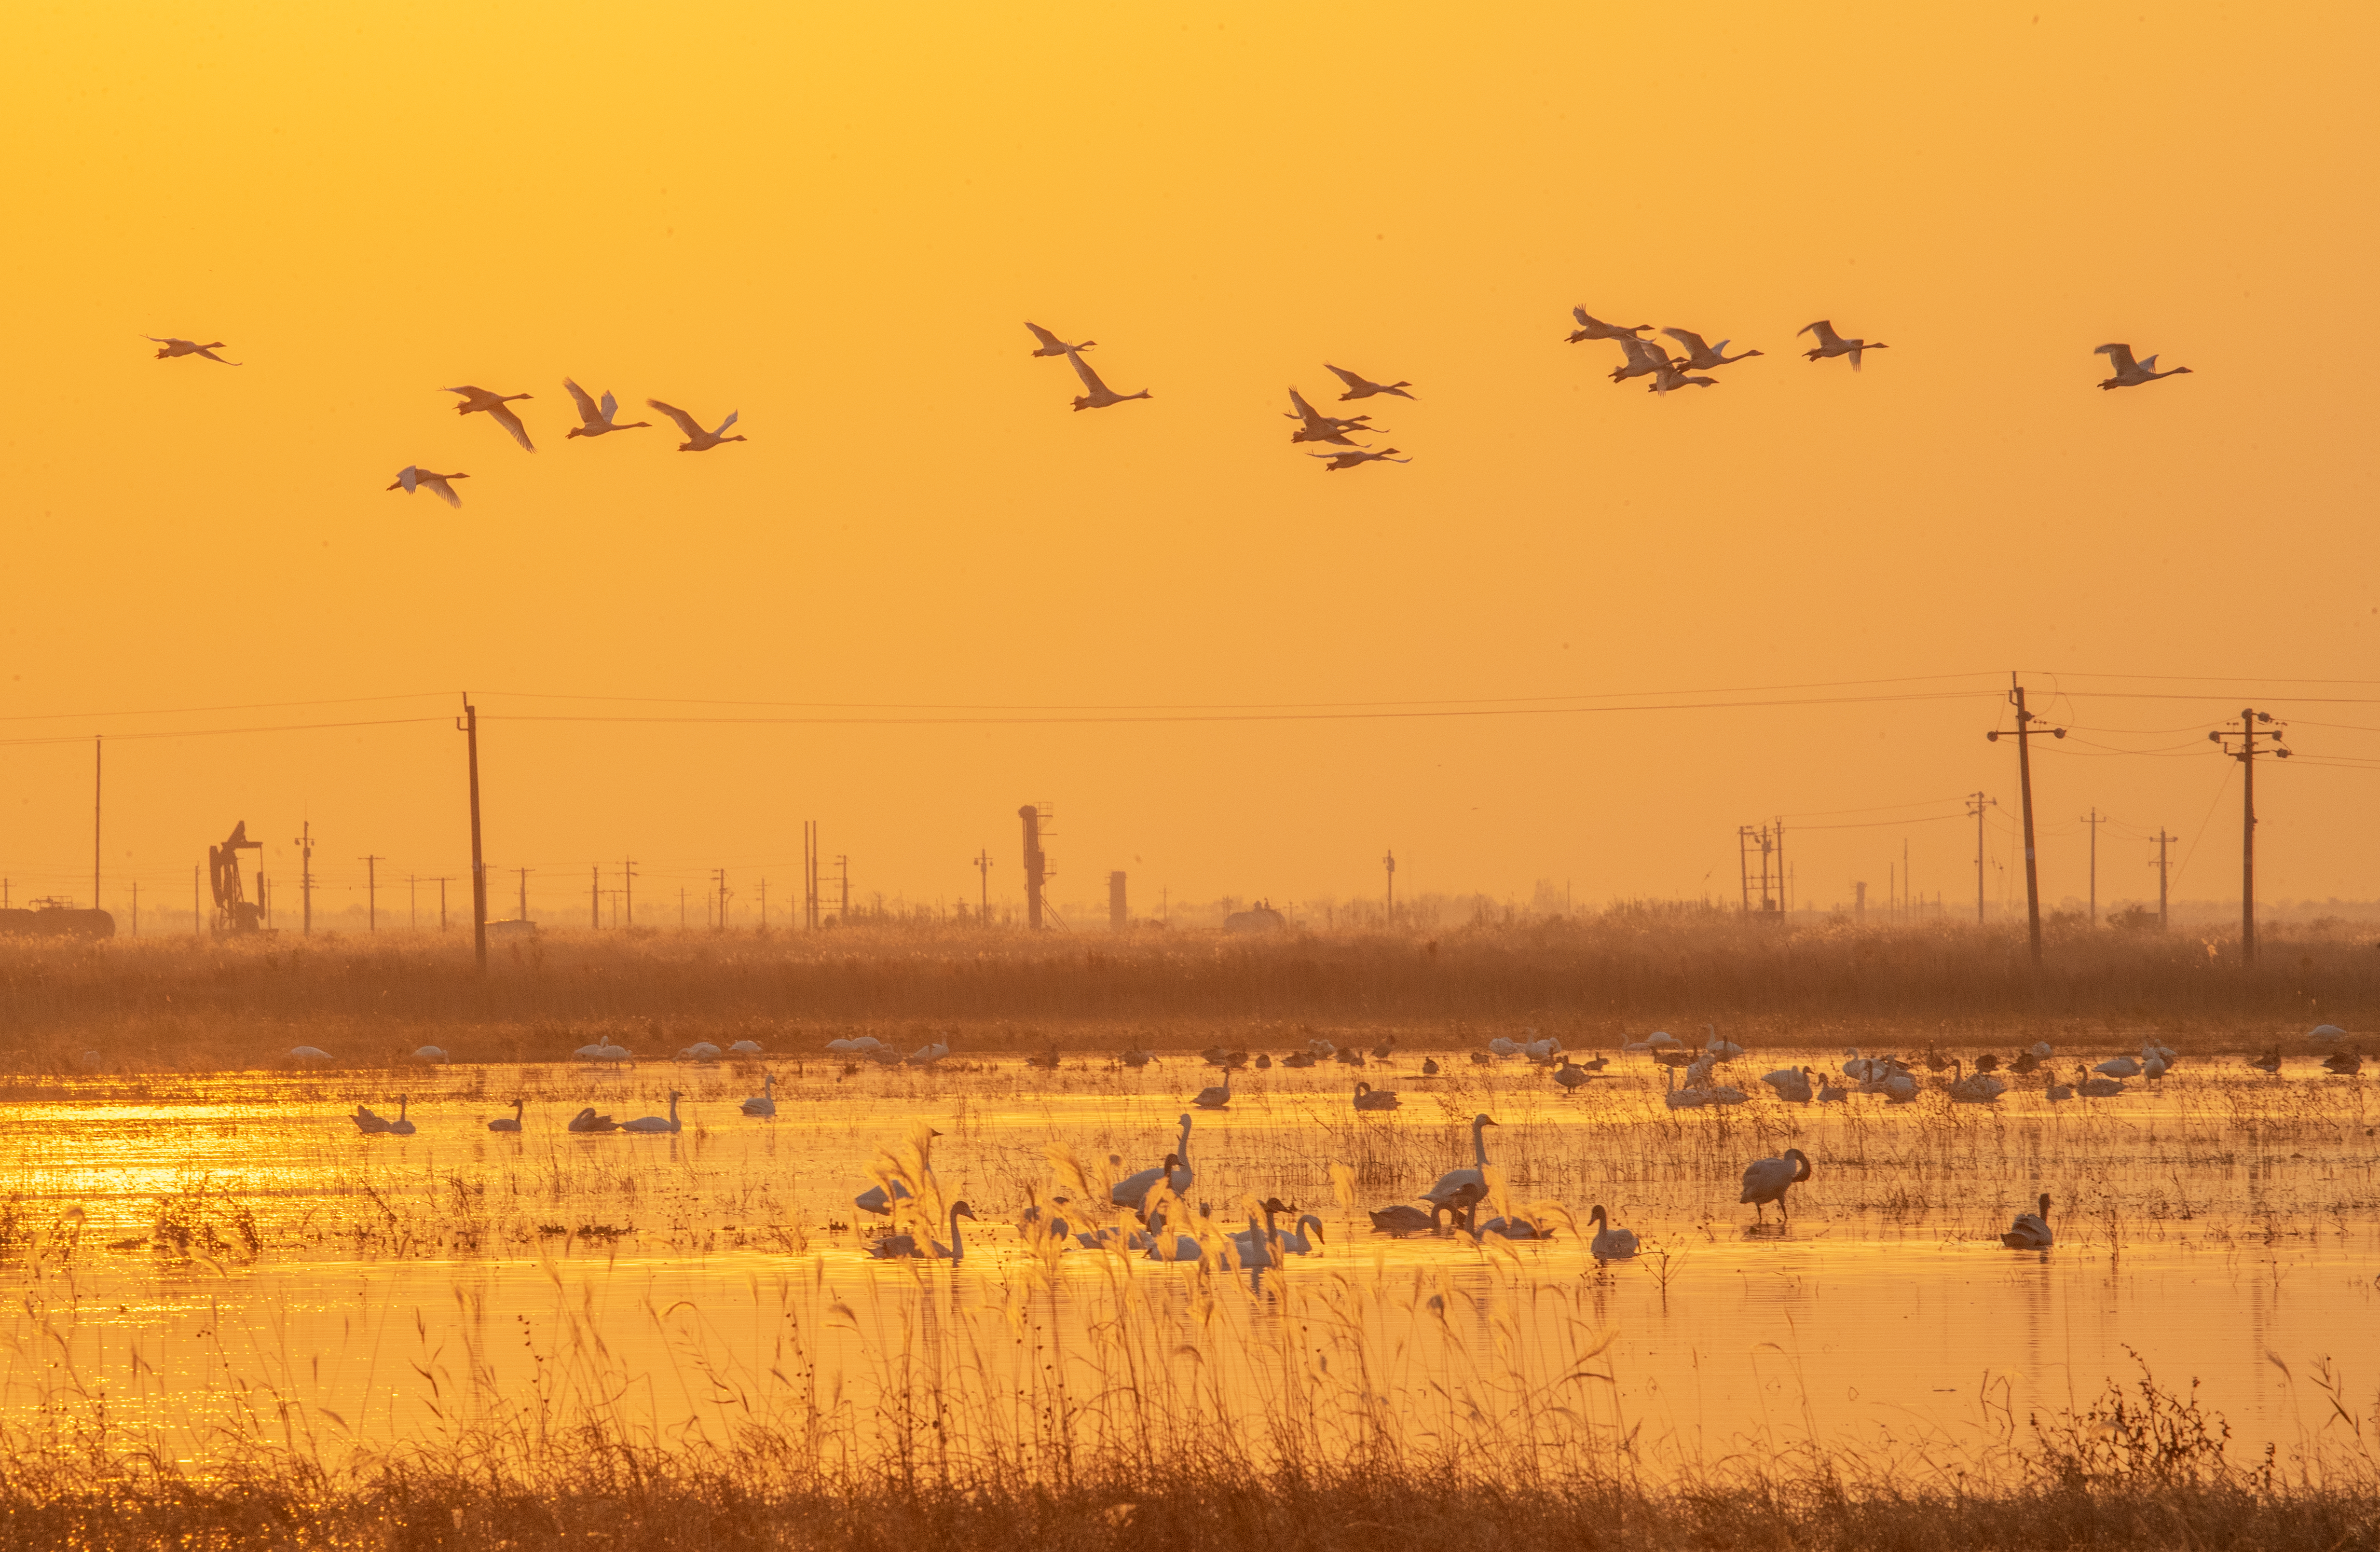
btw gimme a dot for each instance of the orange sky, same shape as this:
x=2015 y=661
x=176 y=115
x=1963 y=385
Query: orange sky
x=833 y=219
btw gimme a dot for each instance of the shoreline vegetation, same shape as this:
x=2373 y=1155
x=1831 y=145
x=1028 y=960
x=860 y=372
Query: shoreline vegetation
x=185 y=1003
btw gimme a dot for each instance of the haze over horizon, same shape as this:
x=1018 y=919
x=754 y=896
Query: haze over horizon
x=837 y=224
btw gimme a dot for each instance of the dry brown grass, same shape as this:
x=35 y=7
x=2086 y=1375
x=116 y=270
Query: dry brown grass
x=178 y=1002
x=167 y=1001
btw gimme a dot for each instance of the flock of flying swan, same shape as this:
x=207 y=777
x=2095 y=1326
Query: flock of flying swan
x=595 y=419
x=1641 y=357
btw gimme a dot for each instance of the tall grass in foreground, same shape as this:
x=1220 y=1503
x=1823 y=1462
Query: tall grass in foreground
x=181 y=1003
x=1187 y=1410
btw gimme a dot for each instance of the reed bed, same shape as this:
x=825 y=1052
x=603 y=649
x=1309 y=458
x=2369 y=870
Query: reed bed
x=157 y=1004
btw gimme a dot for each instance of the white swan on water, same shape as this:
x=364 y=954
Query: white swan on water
x=651 y=1124
x=1455 y=1179
x=896 y=1247
x=1609 y=1244
x=400 y=1127
x=2031 y=1230
x=508 y=1123
x=765 y=1102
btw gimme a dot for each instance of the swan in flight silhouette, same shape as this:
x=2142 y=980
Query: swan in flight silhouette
x=697 y=439
x=595 y=421
x=410 y=479
x=1317 y=427
x=1364 y=387
x=480 y=401
x=1765 y=1180
x=1051 y=345
x=190 y=347
x=2129 y=373
x=1644 y=359
x=1703 y=357
x=1355 y=458
x=1674 y=376
x=1833 y=344
x=2031 y=1230
x=1101 y=395
x=1593 y=328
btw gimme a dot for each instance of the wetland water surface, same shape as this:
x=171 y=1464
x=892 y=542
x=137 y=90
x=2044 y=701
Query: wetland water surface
x=175 y=1242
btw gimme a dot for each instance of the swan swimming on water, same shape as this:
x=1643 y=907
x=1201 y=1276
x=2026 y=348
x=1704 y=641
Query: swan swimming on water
x=400 y=1127
x=1477 y=1176
x=765 y=1102
x=649 y=1125
x=508 y=1123
x=2031 y=1230
x=1370 y=1098
x=1609 y=1244
x=588 y=1121
x=896 y=1247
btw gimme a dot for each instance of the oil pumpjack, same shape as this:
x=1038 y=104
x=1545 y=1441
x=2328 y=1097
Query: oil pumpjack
x=235 y=913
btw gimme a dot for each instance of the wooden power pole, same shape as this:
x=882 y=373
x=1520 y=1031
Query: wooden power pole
x=2025 y=734
x=470 y=723
x=2254 y=725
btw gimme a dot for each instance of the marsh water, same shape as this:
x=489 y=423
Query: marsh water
x=175 y=1240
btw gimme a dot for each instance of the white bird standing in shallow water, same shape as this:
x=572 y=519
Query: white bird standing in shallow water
x=2129 y=373
x=1765 y=1180
x=1359 y=387
x=649 y=1124
x=477 y=401
x=186 y=347
x=409 y=478
x=1832 y=343
x=508 y=1123
x=2031 y=1230
x=1051 y=345
x=1099 y=395
x=697 y=439
x=596 y=421
x=1455 y=1179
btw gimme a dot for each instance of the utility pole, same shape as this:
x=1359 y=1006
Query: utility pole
x=1976 y=803
x=2025 y=734
x=371 y=891
x=809 y=875
x=629 y=888
x=306 y=878
x=2162 y=840
x=1388 y=864
x=95 y=746
x=197 y=912
x=722 y=923
x=524 y=872
x=2254 y=725
x=595 y=897
x=2094 y=820
x=1036 y=863
x=842 y=865
x=983 y=884
x=470 y=723
x=443 y=882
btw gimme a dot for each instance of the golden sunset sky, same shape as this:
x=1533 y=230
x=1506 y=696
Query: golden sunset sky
x=834 y=219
